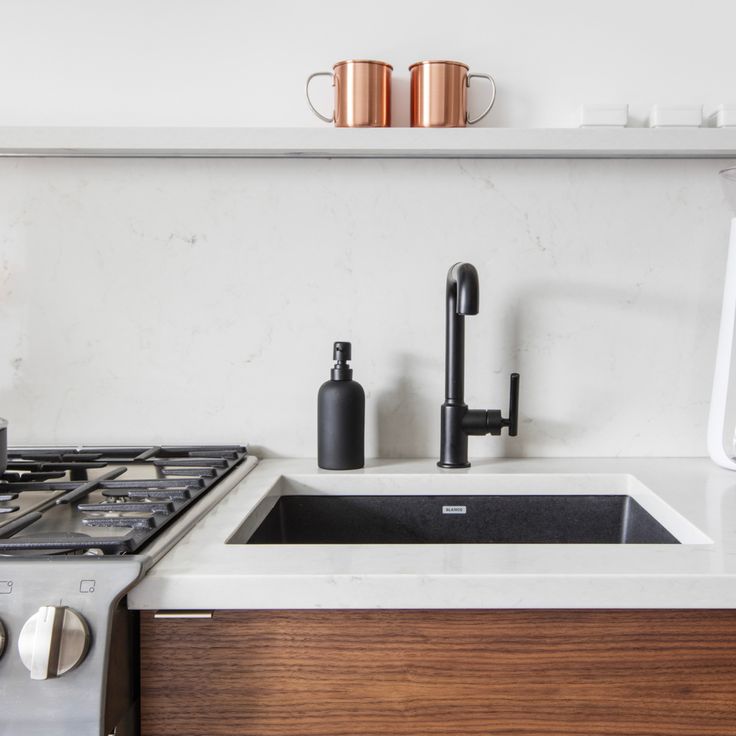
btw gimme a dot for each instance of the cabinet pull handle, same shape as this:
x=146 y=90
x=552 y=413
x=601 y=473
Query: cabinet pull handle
x=183 y=614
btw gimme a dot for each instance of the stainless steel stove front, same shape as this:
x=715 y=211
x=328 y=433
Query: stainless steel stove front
x=38 y=697
x=72 y=671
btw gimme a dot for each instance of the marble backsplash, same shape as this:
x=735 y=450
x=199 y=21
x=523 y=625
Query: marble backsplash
x=197 y=300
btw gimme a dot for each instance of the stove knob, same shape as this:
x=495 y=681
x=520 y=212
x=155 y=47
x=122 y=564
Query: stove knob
x=2 y=638
x=53 y=641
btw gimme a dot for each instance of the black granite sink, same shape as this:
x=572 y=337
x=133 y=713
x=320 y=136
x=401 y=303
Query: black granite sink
x=499 y=519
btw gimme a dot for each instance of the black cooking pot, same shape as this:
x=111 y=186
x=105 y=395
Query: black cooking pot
x=3 y=445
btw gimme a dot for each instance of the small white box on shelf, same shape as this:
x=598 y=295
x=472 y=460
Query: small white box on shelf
x=610 y=116
x=681 y=116
x=723 y=117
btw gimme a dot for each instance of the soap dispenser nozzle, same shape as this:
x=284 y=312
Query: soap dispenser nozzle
x=341 y=354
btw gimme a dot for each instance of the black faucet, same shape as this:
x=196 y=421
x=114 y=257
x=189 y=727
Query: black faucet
x=458 y=422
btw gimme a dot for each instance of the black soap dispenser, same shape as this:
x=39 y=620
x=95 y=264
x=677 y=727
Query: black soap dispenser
x=341 y=416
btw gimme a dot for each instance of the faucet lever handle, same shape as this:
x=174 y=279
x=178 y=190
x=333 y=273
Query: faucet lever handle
x=513 y=421
x=494 y=420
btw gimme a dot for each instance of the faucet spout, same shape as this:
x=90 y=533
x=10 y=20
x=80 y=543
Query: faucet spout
x=462 y=280
x=458 y=422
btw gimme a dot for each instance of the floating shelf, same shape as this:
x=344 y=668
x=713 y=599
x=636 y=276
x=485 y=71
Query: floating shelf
x=369 y=143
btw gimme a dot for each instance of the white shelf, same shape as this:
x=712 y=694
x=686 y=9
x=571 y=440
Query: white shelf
x=370 y=143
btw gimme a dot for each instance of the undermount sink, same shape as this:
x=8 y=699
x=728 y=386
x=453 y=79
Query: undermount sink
x=528 y=509
x=528 y=519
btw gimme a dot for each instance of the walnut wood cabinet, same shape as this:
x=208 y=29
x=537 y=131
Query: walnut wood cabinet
x=470 y=673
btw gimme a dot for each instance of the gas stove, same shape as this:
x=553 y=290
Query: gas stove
x=78 y=528
x=102 y=500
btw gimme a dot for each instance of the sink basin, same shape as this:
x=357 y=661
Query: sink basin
x=526 y=518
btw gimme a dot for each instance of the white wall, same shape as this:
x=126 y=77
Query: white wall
x=232 y=62
x=146 y=301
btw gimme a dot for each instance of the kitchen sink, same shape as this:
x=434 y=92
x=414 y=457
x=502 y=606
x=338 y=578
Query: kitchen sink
x=527 y=518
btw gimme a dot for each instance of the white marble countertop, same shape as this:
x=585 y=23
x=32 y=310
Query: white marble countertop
x=693 y=498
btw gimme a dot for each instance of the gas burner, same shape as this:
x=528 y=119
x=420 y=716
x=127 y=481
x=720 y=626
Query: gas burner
x=113 y=500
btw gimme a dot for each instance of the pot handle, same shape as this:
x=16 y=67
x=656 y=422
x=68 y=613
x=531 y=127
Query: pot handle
x=490 y=104
x=309 y=101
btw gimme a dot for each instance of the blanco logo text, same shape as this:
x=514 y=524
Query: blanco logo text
x=454 y=509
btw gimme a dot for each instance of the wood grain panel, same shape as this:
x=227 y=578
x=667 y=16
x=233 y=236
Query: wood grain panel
x=470 y=673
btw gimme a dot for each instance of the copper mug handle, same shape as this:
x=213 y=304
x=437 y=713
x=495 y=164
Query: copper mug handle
x=490 y=104
x=309 y=101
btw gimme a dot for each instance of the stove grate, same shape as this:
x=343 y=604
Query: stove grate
x=132 y=491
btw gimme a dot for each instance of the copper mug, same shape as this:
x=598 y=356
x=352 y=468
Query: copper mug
x=439 y=94
x=362 y=94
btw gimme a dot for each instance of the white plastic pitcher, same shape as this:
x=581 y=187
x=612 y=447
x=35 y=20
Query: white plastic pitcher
x=722 y=418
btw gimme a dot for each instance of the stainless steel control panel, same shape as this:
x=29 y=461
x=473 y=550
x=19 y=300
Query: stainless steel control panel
x=55 y=641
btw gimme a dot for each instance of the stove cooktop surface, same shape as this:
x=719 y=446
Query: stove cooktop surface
x=102 y=500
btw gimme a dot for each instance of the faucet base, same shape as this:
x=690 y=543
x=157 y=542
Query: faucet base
x=453 y=439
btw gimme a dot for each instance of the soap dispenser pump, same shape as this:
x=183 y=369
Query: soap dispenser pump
x=341 y=416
